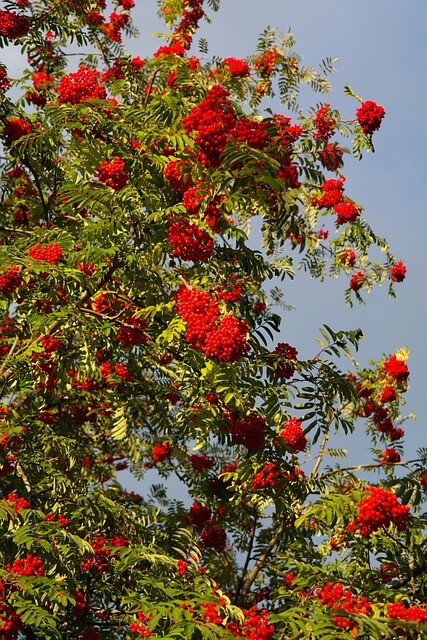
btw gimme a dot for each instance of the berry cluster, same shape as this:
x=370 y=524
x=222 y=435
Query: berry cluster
x=396 y=369
x=348 y=257
x=390 y=456
x=175 y=178
x=161 y=451
x=252 y=132
x=10 y=622
x=357 y=280
x=369 y=116
x=324 y=124
x=28 y=566
x=189 y=242
x=331 y=156
x=51 y=253
x=141 y=629
x=117 y=22
x=332 y=193
x=132 y=332
x=269 y=476
x=15 y=128
x=213 y=536
x=335 y=596
x=220 y=338
x=80 y=86
x=228 y=342
x=378 y=510
x=192 y=200
x=17 y=503
x=4 y=80
x=333 y=198
x=109 y=373
x=398 y=272
x=283 y=368
x=293 y=436
x=247 y=430
x=10 y=280
x=287 y=133
x=213 y=120
x=266 y=61
x=112 y=173
x=200 y=462
x=102 y=558
x=398 y=611
x=346 y=211
x=237 y=68
x=13 y=25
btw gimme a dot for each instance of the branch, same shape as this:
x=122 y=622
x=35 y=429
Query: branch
x=82 y=299
x=248 y=558
x=261 y=562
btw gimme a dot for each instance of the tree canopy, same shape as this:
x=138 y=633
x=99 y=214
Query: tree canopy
x=140 y=329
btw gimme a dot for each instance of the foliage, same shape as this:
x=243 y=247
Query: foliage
x=138 y=332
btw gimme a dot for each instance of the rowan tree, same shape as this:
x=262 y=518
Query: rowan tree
x=140 y=330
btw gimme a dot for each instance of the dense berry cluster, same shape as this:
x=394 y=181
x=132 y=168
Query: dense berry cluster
x=324 y=124
x=13 y=25
x=189 y=242
x=396 y=369
x=212 y=535
x=173 y=174
x=346 y=211
x=398 y=611
x=200 y=462
x=132 y=332
x=228 y=342
x=10 y=621
x=10 y=280
x=161 y=451
x=28 y=566
x=292 y=436
x=51 y=253
x=357 y=280
x=390 y=456
x=247 y=430
x=236 y=67
x=283 y=368
x=15 y=128
x=334 y=595
x=369 y=116
x=378 y=510
x=332 y=193
x=397 y=272
x=272 y=476
x=266 y=62
x=252 y=132
x=255 y=625
x=212 y=119
x=112 y=173
x=220 y=338
x=80 y=86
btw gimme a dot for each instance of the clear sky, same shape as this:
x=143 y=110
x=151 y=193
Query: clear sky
x=382 y=49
